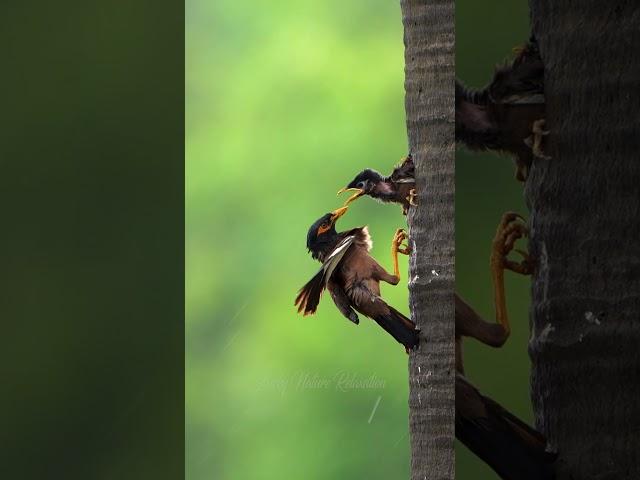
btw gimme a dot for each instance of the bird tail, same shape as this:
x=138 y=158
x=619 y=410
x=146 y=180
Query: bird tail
x=464 y=94
x=399 y=327
x=513 y=449
x=474 y=126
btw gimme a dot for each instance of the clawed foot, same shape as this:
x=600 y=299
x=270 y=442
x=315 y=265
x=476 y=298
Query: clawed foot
x=510 y=229
x=522 y=171
x=397 y=247
x=535 y=140
x=397 y=243
x=412 y=197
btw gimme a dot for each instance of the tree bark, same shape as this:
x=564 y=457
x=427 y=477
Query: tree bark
x=585 y=233
x=429 y=85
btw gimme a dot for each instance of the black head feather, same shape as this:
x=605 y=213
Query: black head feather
x=319 y=243
x=366 y=180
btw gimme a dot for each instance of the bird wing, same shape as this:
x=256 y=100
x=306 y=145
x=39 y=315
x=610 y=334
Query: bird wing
x=405 y=172
x=309 y=296
x=341 y=300
x=522 y=82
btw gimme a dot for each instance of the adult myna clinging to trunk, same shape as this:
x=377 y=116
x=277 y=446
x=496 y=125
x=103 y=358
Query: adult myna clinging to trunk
x=508 y=114
x=352 y=277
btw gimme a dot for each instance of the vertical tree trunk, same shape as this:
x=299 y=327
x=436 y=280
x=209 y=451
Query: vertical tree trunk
x=429 y=84
x=585 y=234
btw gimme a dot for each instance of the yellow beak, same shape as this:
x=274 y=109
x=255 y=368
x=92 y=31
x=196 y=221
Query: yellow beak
x=359 y=193
x=336 y=214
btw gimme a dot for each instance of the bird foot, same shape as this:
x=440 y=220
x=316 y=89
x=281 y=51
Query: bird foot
x=397 y=243
x=412 y=197
x=397 y=247
x=534 y=141
x=510 y=229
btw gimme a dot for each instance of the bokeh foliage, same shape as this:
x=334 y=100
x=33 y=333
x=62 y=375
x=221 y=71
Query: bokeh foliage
x=286 y=101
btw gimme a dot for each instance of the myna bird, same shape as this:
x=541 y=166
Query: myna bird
x=507 y=115
x=352 y=277
x=399 y=187
x=513 y=449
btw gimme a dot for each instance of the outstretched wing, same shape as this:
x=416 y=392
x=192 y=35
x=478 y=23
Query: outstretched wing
x=309 y=295
x=342 y=301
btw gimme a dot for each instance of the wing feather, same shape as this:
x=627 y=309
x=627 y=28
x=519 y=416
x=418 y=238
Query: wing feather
x=309 y=295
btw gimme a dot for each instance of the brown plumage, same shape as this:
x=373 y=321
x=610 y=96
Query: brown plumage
x=352 y=277
x=470 y=324
x=505 y=116
x=513 y=449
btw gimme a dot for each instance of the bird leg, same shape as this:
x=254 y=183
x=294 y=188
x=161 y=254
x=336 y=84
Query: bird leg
x=397 y=247
x=412 y=197
x=534 y=141
x=510 y=229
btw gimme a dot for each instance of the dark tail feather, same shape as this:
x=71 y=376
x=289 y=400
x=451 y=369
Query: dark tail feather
x=399 y=327
x=474 y=125
x=513 y=449
x=308 y=297
x=464 y=94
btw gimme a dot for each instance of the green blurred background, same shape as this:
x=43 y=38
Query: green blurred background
x=286 y=101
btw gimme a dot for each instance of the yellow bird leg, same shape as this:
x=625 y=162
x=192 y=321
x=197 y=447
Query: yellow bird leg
x=412 y=197
x=396 y=247
x=509 y=230
x=534 y=141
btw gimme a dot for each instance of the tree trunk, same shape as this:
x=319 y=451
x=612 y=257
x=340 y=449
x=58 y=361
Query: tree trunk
x=429 y=85
x=585 y=232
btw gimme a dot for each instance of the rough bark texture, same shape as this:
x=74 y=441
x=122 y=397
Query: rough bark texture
x=585 y=233
x=429 y=84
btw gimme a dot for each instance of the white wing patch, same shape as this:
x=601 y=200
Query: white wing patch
x=335 y=256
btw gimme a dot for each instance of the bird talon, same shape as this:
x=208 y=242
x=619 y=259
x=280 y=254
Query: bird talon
x=398 y=247
x=411 y=197
x=538 y=127
x=535 y=140
x=510 y=229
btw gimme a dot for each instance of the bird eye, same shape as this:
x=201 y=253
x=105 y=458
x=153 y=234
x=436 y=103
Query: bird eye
x=325 y=226
x=360 y=185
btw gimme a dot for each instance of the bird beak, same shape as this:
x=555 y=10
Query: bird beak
x=336 y=214
x=359 y=193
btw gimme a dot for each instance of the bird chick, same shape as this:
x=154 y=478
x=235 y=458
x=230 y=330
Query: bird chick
x=399 y=187
x=507 y=115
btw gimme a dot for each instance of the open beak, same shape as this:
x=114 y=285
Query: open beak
x=359 y=193
x=336 y=214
